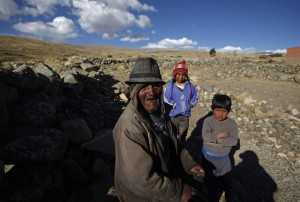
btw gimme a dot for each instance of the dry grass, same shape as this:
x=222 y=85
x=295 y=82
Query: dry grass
x=20 y=49
x=23 y=49
x=27 y=49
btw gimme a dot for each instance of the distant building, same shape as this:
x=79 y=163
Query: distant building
x=293 y=53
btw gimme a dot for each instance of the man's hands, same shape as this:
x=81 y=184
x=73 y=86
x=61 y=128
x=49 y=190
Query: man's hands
x=197 y=170
x=186 y=193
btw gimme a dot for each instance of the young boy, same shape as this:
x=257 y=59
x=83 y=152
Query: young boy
x=219 y=135
x=181 y=95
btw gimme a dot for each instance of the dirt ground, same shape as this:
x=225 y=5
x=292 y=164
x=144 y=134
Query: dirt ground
x=277 y=169
x=270 y=168
x=277 y=93
x=271 y=165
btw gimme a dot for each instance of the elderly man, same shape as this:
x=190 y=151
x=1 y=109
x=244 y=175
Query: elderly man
x=149 y=161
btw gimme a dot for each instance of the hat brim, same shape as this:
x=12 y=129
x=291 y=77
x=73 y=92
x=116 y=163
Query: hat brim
x=144 y=80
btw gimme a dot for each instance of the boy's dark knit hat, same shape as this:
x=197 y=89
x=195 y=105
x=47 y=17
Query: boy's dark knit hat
x=221 y=101
x=145 y=70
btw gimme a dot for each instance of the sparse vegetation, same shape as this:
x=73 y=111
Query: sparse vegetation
x=85 y=84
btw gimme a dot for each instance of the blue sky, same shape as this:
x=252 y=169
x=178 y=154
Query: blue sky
x=227 y=25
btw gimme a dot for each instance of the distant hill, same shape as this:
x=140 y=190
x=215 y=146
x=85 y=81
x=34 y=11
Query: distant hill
x=14 y=48
x=18 y=48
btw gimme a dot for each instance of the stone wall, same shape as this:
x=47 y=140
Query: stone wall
x=56 y=131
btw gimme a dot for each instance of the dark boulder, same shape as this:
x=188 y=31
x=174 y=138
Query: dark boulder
x=46 y=147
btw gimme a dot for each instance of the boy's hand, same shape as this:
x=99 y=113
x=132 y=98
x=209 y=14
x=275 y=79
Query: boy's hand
x=222 y=135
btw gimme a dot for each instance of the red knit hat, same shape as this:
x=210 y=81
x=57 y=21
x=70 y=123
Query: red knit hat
x=180 y=67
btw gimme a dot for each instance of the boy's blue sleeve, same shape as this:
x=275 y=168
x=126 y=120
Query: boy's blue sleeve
x=168 y=94
x=194 y=96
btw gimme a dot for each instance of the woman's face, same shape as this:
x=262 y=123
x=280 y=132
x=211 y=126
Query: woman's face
x=149 y=97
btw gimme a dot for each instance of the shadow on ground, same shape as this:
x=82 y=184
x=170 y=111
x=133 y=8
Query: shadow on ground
x=248 y=180
x=258 y=184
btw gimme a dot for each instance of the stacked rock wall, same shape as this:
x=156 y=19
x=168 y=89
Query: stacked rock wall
x=56 y=139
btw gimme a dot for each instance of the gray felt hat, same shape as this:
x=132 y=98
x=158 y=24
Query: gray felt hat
x=145 y=70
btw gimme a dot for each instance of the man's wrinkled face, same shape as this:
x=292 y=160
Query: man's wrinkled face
x=149 y=97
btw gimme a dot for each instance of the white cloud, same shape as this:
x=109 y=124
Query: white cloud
x=230 y=49
x=109 y=16
x=249 y=50
x=125 y=4
x=103 y=17
x=39 y=7
x=59 y=29
x=134 y=38
x=236 y=49
x=204 y=48
x=277 y=51
x=143 y=21
x=109 y=35
x=167 y=43
x=280 y=51
x=7 y=9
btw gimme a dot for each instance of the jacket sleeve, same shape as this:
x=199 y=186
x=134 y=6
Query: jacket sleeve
x=139 y=173
x=187 y=161
x=207 y=135
x=232 y=138
x=194 y=95
x=168 y=94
